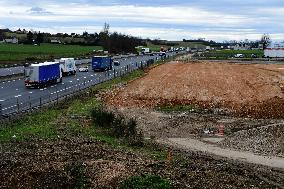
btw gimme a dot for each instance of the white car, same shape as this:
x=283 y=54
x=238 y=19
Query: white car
x=83 y=69
x=239 y=56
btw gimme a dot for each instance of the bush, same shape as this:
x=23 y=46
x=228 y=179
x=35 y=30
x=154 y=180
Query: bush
x=146 y=181
x=31 y=58
x=117 y=126
x=102 y=118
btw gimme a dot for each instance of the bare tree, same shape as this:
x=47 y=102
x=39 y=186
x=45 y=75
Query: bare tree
x=265 y=40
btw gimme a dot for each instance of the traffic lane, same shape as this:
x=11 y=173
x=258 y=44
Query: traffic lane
x=11 y=71
x=67 y=83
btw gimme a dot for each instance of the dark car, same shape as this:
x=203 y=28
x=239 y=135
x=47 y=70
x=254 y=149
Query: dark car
x=116 y=63
x=253 y=55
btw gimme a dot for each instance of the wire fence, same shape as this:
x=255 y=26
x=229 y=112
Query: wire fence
x=34 y=100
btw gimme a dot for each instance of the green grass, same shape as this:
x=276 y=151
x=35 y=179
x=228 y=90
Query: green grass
x=15 y=52
x=146 y=181
x=34 y=125
x=231 y=53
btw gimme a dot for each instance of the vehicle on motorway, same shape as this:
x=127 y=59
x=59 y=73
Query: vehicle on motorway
x=42 y=74
x=274 y=50
x=68 y=66
x=239 y=56
x=145 y=50
x=83 y=69
x=162 y=54
x=253 y=55
x=116 y=63
x=101 y=63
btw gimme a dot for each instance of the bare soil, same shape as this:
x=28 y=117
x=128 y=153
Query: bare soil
x=254 y=90
x=76 y=162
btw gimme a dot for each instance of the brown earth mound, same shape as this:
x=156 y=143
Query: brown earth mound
x=247 y=90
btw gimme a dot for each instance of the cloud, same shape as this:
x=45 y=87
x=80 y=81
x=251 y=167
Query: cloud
x=38 y=11
x=215 y=19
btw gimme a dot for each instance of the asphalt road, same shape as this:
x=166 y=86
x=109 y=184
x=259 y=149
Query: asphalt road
x=15 y=97
x=20 y=69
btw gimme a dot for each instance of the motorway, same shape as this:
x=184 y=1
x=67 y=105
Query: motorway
x=20 y=69
x=15 y=97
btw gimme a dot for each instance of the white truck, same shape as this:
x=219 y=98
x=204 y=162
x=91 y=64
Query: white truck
x=145 y=50
x=68 y=66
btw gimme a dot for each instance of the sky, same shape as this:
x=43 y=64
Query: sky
x=217 y=20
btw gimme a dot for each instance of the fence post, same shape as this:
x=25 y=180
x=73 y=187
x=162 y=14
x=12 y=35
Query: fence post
x=40 y=102
x=57 y=97
x=18 y=105
x=114 y=73
x=0 y=110
x=30 y=103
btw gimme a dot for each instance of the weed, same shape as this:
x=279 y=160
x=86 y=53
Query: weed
x=76 y=172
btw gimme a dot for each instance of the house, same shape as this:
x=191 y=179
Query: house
x=55 y=41
x=241 y=46
x=12 y=40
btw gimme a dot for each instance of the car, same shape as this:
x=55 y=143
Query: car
x=253 y=55
x=116 y=63
x=84 y=69
x=239 y=56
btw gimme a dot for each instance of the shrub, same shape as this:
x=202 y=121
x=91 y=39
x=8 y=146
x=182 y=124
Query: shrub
x=102 y=118
x=117 y=126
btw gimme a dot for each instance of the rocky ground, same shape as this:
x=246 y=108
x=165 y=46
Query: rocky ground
x=260 y=136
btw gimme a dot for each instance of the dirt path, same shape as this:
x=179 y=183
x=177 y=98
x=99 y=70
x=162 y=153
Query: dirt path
x=199 y=146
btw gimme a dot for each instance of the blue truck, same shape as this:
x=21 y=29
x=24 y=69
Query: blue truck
x=101 y=63
x=42 y=74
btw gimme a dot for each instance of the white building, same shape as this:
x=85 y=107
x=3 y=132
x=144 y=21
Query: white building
x=241 y=47
x=275 y=50
x=13 y=40
x=55 y=41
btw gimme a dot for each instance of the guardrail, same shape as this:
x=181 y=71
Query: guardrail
x=23 y=104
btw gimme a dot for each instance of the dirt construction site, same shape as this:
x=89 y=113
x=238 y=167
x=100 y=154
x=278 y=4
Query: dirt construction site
x=227 y=110
x=202 y=124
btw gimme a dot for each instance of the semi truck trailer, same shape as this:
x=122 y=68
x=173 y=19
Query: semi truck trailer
x=101 y=63
x=42 y=74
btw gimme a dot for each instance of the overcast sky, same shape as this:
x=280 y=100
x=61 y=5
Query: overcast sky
x=165 y=19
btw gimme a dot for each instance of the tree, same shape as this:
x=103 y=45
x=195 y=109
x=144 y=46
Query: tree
x=1 y=35
x=30 y=37
x=106 y=28
x=39 y=38
x=265 y=40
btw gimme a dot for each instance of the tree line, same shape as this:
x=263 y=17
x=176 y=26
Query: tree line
x=113 y=42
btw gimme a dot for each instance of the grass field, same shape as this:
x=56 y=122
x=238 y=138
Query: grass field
x=16 y=53
x=230 y=53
